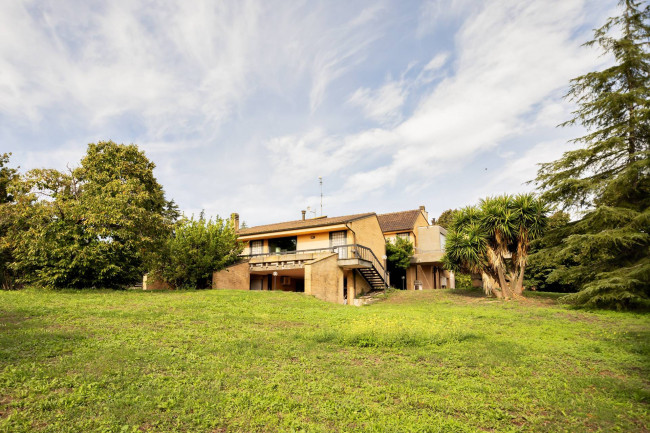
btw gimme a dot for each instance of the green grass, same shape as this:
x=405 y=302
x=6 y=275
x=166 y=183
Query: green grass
x=226 y=361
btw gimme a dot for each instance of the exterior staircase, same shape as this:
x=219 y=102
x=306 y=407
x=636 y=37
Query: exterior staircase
x=373 y=277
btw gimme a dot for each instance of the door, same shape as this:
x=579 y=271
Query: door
x=338 y=239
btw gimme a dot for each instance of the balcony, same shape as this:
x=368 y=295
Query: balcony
x=352 y=256
x=422 y=256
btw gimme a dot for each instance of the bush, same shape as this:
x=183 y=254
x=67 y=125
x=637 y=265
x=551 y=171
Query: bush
x=195 y=250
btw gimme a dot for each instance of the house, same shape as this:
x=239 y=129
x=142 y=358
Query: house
x=335 y=259
x=426 y=271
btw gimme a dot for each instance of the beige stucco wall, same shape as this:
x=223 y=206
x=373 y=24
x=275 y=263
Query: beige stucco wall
x=324 y=279
x=429 y=238
x=359 y=284
x=367 y=232
x=421 y=221
x=233 y=277
x=320 y=240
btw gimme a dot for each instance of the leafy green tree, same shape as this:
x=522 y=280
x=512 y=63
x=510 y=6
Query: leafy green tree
x=494 y=239
x=605 y=255
x=399 y=253
x=7 y=176
x=94 y=226
x=445 y=219
x=195 y=250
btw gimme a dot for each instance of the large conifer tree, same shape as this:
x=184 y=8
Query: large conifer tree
x=606 y=253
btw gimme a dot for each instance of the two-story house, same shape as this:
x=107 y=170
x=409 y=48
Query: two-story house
x=335 y=259
x=426 y=270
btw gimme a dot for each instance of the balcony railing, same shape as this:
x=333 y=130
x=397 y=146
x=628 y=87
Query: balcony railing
x=349 y=251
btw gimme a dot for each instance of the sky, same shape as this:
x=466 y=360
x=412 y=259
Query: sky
x=243 y=105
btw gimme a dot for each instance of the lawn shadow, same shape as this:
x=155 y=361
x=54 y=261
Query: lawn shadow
x=469 y=295
x=25 y=337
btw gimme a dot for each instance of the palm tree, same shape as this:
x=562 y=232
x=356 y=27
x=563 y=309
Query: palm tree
x=494 y=239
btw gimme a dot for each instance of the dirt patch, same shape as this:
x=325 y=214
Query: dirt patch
x=285 y=324
x=578 y=317
x=5 y=410
x=10 y=320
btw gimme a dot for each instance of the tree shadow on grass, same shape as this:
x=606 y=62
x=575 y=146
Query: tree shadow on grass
x=26 y=338
x=469 y=295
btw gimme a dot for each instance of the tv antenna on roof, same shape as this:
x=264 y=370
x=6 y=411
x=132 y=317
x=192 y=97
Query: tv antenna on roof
x=320 y=180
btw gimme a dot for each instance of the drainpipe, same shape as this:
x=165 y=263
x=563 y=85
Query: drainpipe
x=354 y=235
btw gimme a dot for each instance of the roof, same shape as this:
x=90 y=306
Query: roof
x=398 y=221
x=302 y=224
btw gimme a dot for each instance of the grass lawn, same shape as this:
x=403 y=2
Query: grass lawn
x=227 y=361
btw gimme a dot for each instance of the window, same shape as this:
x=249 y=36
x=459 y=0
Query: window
x=338 y=239
x=443 y=239
x=257 y=247
x=282 y=245
x=404 y=235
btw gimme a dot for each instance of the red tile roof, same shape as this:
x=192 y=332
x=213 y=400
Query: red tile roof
x=302 y=224
x=398 y=221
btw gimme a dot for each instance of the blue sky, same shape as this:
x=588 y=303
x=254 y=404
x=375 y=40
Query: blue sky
x=242 y=105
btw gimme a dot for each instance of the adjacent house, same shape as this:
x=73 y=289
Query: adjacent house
x=335 y=259
x=426 y=271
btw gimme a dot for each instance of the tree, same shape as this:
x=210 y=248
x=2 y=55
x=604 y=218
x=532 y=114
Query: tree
x=94 y=226
x=606 y=255
x=541 y=266
x=399 y=253
x=195 y=250
x=445 y=219
x=494 y=239
x=7 y=177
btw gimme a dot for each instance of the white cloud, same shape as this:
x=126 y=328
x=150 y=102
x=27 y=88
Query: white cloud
x=512 y=59
x=437 y=62
x=434 y=12
x=382 y=105
x=243 y=104
x=181 y=67
x=345 y=48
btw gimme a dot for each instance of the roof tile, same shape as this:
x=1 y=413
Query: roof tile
x=398 y=221
x=302 y=224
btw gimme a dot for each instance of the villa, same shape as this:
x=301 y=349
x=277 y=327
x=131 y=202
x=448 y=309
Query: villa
x=335 y=259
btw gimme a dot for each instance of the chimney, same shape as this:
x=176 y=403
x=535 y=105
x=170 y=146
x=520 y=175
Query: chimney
x=433 y=221
x=235 y=220
x=304 y=212
x=426 y=214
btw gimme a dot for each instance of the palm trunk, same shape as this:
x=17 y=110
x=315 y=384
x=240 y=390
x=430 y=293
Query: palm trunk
x=502 y=282
x=519 y=287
